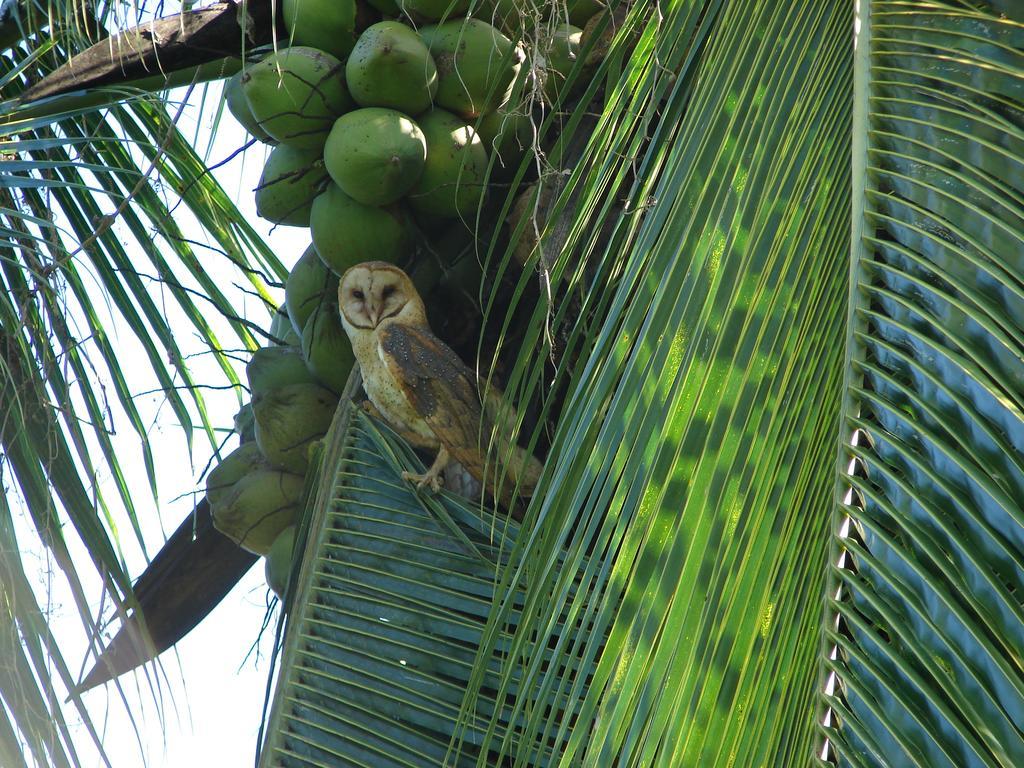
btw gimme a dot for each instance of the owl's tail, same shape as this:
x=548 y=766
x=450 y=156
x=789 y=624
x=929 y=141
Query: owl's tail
x=516 y=471
x=515 y=476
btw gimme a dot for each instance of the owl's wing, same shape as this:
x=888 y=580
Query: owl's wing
x=446 y=394
x=441 y=389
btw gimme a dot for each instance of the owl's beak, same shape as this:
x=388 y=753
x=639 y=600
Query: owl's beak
x=374 y=315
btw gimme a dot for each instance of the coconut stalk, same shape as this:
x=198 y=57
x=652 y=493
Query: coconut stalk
x=189 y=576
x=150 y=55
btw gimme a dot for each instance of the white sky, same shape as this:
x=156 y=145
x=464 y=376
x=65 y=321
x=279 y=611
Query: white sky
x=211 y=695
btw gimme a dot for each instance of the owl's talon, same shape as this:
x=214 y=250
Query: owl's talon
x=433 y=475
x=431 y=478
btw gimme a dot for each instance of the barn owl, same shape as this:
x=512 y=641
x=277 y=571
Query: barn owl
x=418 y=385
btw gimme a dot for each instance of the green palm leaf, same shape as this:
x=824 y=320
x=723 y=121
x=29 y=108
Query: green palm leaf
x=928 y=665
x=92 y=256
x=394 y=594
x=692 y=454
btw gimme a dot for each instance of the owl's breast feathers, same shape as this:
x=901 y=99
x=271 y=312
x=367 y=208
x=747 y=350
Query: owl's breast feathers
x=384 y=391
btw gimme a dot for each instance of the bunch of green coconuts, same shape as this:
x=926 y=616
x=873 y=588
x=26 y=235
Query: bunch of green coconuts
x=387 y=117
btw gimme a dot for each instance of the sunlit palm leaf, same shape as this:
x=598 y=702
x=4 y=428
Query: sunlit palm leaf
x=689 y=478
x=929 y=661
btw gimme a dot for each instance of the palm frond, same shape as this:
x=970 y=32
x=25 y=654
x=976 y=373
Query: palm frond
x=116 y=237
x=385 y=626
x=926 y=650
x=688 y=479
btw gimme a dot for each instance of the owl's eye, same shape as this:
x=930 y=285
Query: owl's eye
x=359 y=295
x=388 y=291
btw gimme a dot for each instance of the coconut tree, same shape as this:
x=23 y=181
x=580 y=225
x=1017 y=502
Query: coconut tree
x=766 y=333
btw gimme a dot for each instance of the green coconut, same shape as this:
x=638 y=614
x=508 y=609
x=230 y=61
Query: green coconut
x=391 y=67
x=454 y=177
x=509 y=131
x=476 y=65
x=273 y=367
x=346 y=232
x=281 y=331
x=434 y=9
x=238 y=106
x=375 y=155
x=329 y=25
x=308 y=285
x=258 y=507
x=242 y=461
x=296 y=94
x=506 y=135
x=278 y=566
x=327 y=349
x=560 y=51
x=289 y=419
x=291 y=178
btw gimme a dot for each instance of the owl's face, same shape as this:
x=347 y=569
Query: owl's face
x=372 y=292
